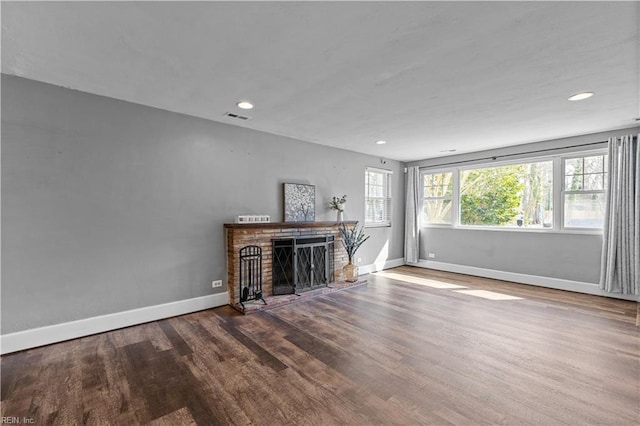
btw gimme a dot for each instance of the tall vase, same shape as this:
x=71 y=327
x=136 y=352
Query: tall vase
x=340 y=216
x=350 y=272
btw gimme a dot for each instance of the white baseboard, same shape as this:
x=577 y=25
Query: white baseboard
x=41 y=336
x=375 y=267
x=556 y=283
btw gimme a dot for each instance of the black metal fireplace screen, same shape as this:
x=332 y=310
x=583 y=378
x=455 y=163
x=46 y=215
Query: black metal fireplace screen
x=250 y=274
x=302 y=264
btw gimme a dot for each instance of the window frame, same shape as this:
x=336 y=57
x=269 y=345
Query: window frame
x=558 y=164
x=563 y=192
x=454 y=206
x=387 y=198
x=503 y=163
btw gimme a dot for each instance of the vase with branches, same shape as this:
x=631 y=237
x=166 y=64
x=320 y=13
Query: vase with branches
x=352 y=239
x=337 y=204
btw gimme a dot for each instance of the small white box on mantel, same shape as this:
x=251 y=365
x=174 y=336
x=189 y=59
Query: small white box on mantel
x=253 y=218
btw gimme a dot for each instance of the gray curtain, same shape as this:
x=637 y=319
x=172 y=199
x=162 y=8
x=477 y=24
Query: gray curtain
x=412 y=217
x=620 y=266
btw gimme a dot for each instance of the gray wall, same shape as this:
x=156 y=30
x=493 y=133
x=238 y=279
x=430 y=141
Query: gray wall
x=568 y=256
x=573 y=257
x=109 y=206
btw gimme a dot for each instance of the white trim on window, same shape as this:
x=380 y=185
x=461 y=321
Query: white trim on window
x=377 y=208
x=425 y=198
x=563 y=192
x=374 y=169
x=557 y=196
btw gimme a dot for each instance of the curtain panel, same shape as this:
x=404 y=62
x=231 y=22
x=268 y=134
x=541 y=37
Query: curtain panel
x=412 y=217
x=620 y=265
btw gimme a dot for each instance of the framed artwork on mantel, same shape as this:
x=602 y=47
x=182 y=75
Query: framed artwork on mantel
x=299 y=202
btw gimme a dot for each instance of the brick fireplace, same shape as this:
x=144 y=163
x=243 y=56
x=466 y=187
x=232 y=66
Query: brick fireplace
x=262 y=235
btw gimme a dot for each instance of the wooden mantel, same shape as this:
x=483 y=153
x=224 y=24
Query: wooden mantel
x=272 y=225
x=239 y=235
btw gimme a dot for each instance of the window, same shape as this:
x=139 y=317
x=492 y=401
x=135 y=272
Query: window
x=561 y=192
x=377 y=197
x=436 y=198
x=584 y=191
x=518 y=195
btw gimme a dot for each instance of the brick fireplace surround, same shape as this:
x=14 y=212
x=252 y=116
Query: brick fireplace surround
x=240 y=235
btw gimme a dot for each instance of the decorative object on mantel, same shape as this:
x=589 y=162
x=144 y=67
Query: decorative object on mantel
x=299 y=202
x=253 y=218
x=352 y=240
x=338 y=205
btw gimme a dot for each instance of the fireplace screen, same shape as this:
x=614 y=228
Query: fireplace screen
x=302 y=264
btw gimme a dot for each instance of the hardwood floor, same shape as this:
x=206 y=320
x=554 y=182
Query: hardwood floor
x=408 y=348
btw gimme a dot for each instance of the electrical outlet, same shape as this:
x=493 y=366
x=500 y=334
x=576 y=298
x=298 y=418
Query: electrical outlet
x=432 y=255
x=215 y=284
x=359 y=260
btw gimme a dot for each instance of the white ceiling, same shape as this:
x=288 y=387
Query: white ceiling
x=426 y=76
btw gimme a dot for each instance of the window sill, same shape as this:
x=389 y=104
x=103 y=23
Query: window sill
x=525 y=230
x=377 y=225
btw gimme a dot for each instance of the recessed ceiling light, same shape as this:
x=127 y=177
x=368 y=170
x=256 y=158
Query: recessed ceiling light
x=580 y=96
x=381 y=142
x=245 y=105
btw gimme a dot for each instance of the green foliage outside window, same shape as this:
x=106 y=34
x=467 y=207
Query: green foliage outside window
x=515 y=195
x=518 y=195
x=491 y=196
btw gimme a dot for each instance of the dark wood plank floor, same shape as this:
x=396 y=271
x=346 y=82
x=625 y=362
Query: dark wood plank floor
x=399 y=350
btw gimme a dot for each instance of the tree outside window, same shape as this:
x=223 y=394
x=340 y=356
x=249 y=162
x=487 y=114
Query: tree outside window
x=515 y=195
x=519 y=195
x=437 y=193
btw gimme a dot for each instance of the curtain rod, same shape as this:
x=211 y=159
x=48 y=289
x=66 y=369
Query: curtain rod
x=495 y=157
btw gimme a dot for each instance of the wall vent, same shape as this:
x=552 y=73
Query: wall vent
x=236 y=116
